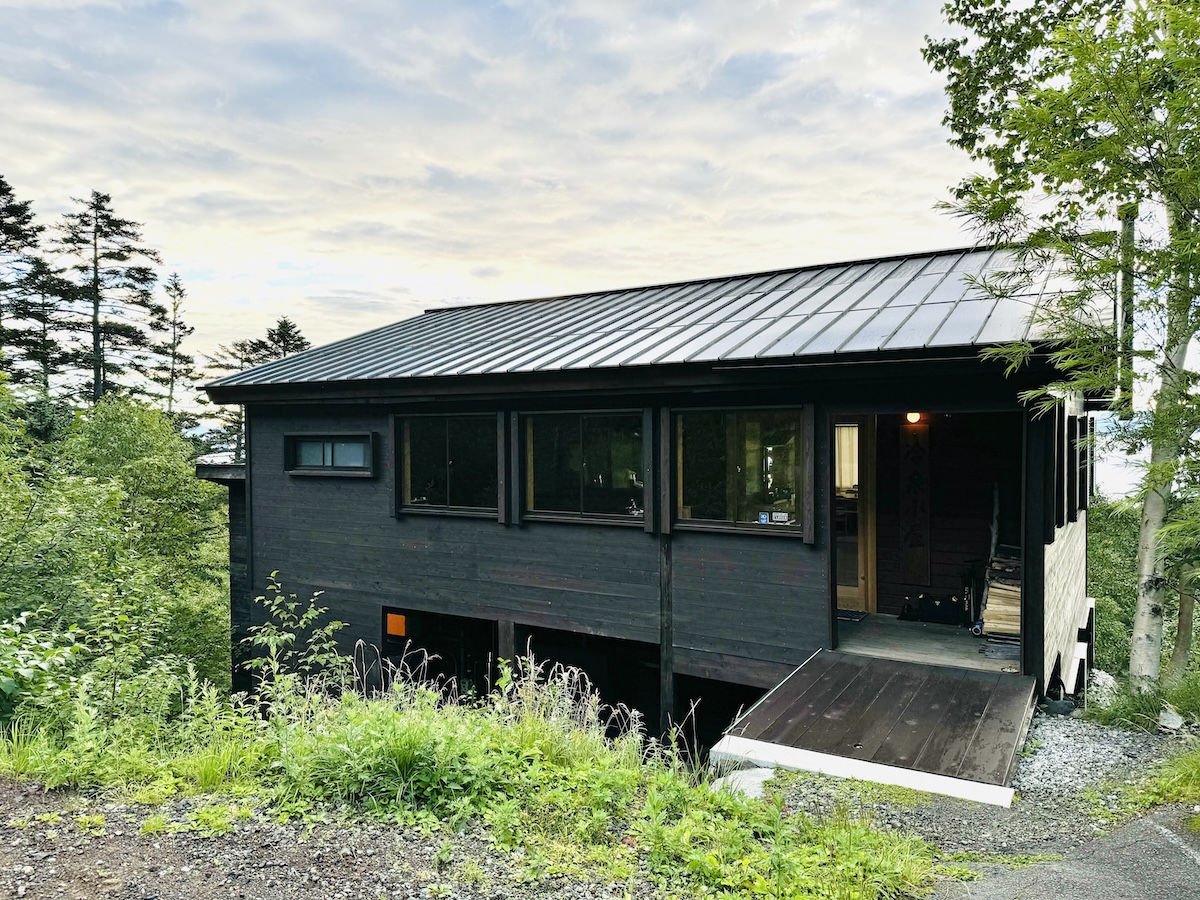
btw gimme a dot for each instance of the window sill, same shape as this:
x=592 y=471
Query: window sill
x=784 y=531
x=619 y=521
x=454 y=511
x=331 y=472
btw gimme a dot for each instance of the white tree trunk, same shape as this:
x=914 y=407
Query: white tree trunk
x=1182 y=653
x=1145 y=648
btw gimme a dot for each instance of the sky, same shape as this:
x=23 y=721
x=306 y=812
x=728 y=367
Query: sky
x=351 y=164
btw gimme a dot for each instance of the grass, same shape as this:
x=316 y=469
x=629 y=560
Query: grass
x=533 y=762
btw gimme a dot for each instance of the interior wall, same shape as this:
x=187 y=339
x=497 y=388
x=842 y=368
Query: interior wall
x=969 y=455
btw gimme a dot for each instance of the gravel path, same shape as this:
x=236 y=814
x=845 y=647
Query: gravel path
x=58 y=845
x=1069 y=782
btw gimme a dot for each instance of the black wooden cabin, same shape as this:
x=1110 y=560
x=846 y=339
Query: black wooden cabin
x=686 y=488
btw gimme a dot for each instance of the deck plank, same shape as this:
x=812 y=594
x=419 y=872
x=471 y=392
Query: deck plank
x=991 y=752
x=950 y=741
x=884 y=711
x=930 y=718
x=921 y=719
x=808 y=707
x=837 y=728
x=782 y=697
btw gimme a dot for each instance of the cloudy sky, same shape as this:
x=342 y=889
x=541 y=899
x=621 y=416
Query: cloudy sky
x=352 y=163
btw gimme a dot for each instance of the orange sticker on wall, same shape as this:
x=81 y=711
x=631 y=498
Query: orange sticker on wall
x=397 y=625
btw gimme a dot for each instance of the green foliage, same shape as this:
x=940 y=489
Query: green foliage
x=1112 y=578
x=1087 y=117
x=112 y=520
x=533 y=761
x=33 y=665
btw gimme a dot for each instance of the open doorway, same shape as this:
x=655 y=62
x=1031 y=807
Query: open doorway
x=854 y=516
x=926 y=537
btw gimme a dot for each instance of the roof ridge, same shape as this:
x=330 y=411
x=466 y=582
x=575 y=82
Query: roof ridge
x=972 y=248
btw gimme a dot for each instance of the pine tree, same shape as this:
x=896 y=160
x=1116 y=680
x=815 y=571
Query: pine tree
x=173 y=370
x=19 y=236
x=282 y=339
x=47 y=344
x=117 y=292
x=230 y=436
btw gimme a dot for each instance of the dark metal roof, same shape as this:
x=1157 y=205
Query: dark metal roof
x=900 y=303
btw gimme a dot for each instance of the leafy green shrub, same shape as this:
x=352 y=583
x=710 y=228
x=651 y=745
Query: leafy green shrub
x=33 y=665
x=1112 y=578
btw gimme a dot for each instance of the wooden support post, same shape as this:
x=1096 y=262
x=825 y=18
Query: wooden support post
x=506 y=641
x=1038 y=459
x=666 y=653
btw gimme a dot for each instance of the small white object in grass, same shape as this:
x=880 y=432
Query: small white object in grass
x=744 y=781
x=1169 y=719
x=1102 y=688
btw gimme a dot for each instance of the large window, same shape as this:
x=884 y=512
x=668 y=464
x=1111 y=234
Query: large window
x=328 y=454
x=585 y=464
x=450 y=462
x=741 y=468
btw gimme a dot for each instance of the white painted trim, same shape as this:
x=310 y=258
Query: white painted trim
x=760 y=753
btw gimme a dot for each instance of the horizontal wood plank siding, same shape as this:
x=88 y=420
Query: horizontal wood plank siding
x=745 y=596
x=338 y=536
x=1065 y=580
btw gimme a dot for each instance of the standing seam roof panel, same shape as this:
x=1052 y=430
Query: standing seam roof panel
x=919 y=301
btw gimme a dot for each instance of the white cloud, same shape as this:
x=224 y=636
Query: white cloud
x=350 y=165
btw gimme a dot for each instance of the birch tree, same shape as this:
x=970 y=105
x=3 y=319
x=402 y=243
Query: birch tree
x=1085 y=118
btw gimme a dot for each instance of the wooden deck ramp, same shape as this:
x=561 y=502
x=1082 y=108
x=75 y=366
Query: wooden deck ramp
x=933 y=728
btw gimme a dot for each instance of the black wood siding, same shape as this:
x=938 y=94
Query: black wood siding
x=742 y=607
x=748 y=597
x=337 y=535
x=240 y=589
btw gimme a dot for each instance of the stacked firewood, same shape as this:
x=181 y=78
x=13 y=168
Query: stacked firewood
x=1002 y=597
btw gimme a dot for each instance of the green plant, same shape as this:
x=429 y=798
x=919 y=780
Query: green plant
x=295 y=653
x=33 y=664
x=155 y=823
x=213 y=820
x=444 y=855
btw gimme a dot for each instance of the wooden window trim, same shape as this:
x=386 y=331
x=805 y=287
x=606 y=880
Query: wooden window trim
x=400 y=432
x=523 y=485
x=804 y=529
x=289 y=455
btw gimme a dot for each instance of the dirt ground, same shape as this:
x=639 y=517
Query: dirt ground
x=61 y=845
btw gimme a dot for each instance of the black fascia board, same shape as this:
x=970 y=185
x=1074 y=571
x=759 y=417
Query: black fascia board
x=651 y=379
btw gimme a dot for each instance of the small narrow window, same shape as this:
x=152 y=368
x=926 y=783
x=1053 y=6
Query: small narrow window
x=450 y=462
x=586 y=465
x=741 y=468
x=329 y=455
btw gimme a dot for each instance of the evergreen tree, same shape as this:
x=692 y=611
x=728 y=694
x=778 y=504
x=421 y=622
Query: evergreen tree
x=117 y=289
x=173 y=370
x=282 y=339
x=48 y=343
x=19 y=236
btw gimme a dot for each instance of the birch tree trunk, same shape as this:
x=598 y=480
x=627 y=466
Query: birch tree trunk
x=1145 y=648
x=1182 y=652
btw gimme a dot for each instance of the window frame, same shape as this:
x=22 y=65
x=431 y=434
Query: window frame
x=291 y=441
x=400 y=437
x=527 y=468
x=805 y=473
